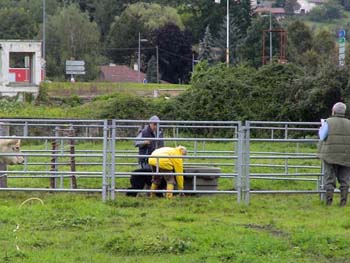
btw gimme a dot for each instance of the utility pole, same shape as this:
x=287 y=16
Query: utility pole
x=44 y=38
x=139 y=60
x=228 y=34
x=227 y=30
x=270 y=39
x=139 y=57
x=157 y=55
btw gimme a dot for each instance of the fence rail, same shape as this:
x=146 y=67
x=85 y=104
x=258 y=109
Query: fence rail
x=101 y=154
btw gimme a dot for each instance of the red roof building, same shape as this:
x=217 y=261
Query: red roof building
x=274 y=10
x=120 y=73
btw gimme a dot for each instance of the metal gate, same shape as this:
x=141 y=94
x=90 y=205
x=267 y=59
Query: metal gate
x=100 y=156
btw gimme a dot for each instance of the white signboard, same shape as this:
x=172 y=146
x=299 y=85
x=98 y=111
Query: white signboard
x=75 y=67
x=72 y=72
x=75 y=62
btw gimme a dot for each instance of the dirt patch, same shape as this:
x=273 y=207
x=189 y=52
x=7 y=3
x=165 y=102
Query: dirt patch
x=268 y=228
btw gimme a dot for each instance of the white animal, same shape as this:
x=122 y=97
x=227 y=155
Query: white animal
x=11 y=146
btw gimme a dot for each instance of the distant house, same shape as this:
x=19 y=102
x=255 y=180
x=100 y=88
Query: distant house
x=120 y=73
x=307 y=5
x=317 y=2
x=277 y=12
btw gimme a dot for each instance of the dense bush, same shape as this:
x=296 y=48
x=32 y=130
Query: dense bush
x=216 y=94
x=123 y=106
x=275 y=92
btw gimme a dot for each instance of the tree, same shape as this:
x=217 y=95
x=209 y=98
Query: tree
x=151 y=73
x=300 y=36
x=72 y=36
x=35 y=8
x=291 y=5
x=251 y=48
x=197 y=14
x=205 y=47
x=104 y=13
x=345 y=4
x=324 y=43
x=17 y=23
x=310 y=60
x=137 y=18
x=328 y=11
x=175 y=53
x=235 y=38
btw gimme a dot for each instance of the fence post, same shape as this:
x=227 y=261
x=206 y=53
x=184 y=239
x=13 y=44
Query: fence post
x=246 y=163
x=112 y=168
x=71 y=133
x=104 y=164
x=54 y=168
x=320 y=183
x=4 y=131
x=239 y=166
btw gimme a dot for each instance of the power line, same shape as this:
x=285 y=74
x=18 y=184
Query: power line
x=127 y=48
x=149 y=48
x=175 y=55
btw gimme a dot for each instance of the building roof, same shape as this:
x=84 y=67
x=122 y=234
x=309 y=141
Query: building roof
x=120 y=73
x=317 y=1
x=273 y=10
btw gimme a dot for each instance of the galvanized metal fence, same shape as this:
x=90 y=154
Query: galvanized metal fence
x=200 y=137
x=294 y=162
x=99 y=156
x=48 y=163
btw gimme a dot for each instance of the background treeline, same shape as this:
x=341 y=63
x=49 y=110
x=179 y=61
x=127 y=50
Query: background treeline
x=183 y=31
x=276 y=92
x=105 y=31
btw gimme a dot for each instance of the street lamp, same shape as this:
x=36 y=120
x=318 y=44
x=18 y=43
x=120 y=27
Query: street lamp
x=139 y=57
x=270 y=34
x=270 y=38
x=227 y=30
x=44 y=37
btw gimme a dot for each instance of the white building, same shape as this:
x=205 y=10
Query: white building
x=20 y=66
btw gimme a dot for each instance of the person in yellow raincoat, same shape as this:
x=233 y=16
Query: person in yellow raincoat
x=171 y=164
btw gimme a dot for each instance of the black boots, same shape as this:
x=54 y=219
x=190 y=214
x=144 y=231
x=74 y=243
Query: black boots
x=343 y=196
x=329 y=197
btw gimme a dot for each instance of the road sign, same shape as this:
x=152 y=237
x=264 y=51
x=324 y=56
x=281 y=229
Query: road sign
x=71 y=72
x=341 y=41
x=341 y=33
x=75 y=67
x=75 y=62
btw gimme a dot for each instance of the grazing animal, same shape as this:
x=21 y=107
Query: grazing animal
x=11 y=146
x=142 y=182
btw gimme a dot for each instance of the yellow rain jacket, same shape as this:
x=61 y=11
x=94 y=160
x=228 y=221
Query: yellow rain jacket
x=170 y=163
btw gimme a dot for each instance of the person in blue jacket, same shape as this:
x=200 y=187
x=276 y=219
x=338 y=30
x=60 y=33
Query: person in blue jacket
x=146 y=147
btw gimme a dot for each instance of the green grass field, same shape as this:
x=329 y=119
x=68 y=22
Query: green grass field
x=80 y=228
x=92 y=89
x=214 y=228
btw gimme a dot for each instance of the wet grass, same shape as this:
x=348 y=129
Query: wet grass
x=81 y=228
x=215 y=228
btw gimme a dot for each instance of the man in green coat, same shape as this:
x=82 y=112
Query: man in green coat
x=334 y=151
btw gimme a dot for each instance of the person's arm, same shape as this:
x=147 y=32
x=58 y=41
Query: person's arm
x=178 y=168
x=323 y=131
x=141 y=140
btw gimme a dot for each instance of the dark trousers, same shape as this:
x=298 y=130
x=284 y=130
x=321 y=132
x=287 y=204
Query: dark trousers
x=334 y=172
